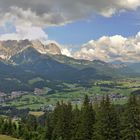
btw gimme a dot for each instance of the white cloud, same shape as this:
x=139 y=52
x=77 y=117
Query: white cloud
x=111 y=48
x=30 y=33
x=59 y=12
x=66 y=52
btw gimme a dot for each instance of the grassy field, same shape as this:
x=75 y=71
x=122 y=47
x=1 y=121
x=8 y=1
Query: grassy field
x=36 y=113
x=4 y=137
x=75 y=91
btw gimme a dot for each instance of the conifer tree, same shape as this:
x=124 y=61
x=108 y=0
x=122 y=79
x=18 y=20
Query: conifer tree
x=107 y=126
x=47 y=135
x=75 y=122
x=62 y=129
x=87 y=119
x=131 y=120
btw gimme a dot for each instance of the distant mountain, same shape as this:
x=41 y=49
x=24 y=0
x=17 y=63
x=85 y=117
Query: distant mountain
x=23 y=61
x=54 y=67
x=12 y=47
x=100 y=66
x=128 y=68
x=135 y=67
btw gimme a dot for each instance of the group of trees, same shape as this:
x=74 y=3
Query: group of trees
x=99 y=121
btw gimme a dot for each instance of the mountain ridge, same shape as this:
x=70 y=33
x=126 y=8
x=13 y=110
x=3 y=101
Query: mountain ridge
x=10 y=48
x=30 y=60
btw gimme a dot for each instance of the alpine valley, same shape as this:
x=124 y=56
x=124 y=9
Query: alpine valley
x=30 y=68
x=69 y=69
x=22 y=61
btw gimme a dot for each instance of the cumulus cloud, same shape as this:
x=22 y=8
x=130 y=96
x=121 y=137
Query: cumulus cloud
x=59 y=12
x=66 y=51
x=30 y=33
x=114 y=48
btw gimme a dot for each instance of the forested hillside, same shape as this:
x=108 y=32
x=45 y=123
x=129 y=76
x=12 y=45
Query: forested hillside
x=100 y=120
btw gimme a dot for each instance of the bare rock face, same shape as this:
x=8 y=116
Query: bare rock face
x=52 y=48
x=36 y=44
x=11 y=47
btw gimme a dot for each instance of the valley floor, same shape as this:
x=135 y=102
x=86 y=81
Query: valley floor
x=42 y=100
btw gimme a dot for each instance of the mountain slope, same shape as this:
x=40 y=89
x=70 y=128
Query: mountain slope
x=58 y=67
x=100 y=66
x=44 y=65
x=32 y=60
x=13 y=78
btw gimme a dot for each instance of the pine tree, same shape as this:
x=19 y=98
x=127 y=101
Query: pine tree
x=26 y=133
x=131 y=120
x=75 y=122
x=14 y=130
x=48 y=128
x=87 y=119
x=62 y=129
x=107 y=126
x=1 y=125
x=31 y=122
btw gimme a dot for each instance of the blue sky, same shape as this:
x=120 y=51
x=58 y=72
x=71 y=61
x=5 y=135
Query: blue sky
x=81 y=21
x=79 y=32
x=126 y=24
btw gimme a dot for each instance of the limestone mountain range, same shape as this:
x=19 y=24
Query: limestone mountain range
x=10 y=48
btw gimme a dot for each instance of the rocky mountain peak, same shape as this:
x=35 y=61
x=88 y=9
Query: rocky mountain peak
x=12 y=47
x=52 y=48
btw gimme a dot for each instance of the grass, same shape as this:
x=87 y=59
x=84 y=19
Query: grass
x=36 y=113
x=4 y=137
x=32 y=81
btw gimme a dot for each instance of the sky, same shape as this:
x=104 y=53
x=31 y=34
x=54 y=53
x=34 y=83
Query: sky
x=126 y=24
x=108 y=30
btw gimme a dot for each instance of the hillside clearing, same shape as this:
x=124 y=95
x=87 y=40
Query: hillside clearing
x=4 y=137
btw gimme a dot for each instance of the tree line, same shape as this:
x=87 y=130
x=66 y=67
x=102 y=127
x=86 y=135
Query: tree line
x=101 y=120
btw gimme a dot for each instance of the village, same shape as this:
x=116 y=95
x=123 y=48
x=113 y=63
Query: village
x=4 y=98
x=17 y=94
x=38 y=92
